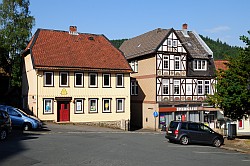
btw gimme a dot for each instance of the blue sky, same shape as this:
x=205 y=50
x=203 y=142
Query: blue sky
x=118 y=19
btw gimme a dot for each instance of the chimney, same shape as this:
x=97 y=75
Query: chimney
x=184 y=30
x=73 y=30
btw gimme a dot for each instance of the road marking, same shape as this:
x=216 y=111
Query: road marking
x=215 y=153
x=246 y=160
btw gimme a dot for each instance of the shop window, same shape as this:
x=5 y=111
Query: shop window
x=106 y=107
x=48 y=106
x=79 y=106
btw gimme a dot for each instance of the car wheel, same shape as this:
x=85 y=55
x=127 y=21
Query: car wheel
x=26 y=126
x=3 y=134
x=184 y=140
x=217 y=142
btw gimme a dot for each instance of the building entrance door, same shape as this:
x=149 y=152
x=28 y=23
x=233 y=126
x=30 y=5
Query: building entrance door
x=63 y=111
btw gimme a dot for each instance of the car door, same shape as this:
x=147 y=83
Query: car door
x=206 y=134
x=16 y=117
x=193 y=132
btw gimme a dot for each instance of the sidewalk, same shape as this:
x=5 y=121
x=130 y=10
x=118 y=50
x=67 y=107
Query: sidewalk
x=240 y=144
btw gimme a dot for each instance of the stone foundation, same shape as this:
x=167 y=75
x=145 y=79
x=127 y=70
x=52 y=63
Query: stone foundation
x=109 y=124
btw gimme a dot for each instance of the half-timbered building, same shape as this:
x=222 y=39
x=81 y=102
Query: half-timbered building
x=173 y=72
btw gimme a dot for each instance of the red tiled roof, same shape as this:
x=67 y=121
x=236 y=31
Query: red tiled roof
x=221 y=64
x=59 y=49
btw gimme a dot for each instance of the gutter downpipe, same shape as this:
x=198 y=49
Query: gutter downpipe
x=37 y=75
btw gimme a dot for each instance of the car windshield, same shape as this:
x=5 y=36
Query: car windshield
x=22 y=112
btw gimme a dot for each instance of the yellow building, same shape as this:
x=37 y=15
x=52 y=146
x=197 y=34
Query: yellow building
x=75 y=77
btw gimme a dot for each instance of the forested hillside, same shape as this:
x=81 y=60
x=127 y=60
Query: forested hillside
x=220 y=49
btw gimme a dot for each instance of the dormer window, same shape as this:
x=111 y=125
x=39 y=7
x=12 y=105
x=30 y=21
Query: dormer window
x=200 y=64
x=134 y=65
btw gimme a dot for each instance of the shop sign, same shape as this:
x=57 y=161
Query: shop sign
x=186 y=108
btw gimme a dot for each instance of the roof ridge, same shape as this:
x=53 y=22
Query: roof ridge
x=55 y=30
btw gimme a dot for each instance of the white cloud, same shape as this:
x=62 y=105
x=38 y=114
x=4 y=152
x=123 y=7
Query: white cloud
x=218 y=29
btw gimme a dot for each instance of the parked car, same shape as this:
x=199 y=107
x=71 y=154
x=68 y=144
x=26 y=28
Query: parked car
x=192 y=132
x=5 y=125
x=21 y=119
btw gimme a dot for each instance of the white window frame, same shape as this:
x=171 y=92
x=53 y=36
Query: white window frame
x=103 y=80
x=134 y=88
x=45 y=78
x=79 y=106
x=165 y=84
x=93 y=74
x=82 y=76
x=117 y=105
x=207 y=87
x=48 y=106
x=67 y=79
x=177 y=62
x=165 y=60
x=199 y=87
x=177 y=85
x=106 y=108
x=122 y=81
x=93 y=109
x=200 y=65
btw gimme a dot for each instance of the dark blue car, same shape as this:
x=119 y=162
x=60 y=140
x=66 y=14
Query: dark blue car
x=192 y=132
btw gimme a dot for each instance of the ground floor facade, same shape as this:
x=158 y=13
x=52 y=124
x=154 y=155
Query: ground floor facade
x=113 y=111
x=156 y=115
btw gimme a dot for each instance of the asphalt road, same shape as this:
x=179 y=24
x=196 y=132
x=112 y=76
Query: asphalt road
x=92 y=146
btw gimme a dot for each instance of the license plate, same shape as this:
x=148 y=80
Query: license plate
x=169 y=131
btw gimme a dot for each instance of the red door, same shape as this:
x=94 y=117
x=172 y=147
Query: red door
x=64 y=112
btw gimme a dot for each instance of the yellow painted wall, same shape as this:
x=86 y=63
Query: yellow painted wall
x=31 y=86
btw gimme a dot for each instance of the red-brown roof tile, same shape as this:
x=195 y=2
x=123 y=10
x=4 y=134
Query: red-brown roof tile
x=59 y=49
x=221 y=64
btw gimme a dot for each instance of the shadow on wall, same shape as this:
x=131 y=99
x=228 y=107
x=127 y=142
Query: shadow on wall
x=136 y=110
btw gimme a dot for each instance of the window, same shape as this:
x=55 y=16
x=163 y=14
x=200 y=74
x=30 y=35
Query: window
x=106 y=80
x=200 y=87
x=176 y=87
x=134 y=87
x=174 y=43
x=177 y=62
x=64 y=79
x=93 y=106
x=92 y=80
x=47 y=106
x=134 y=65
x=204 y=128
x=119 y=80
x=169 y=42
x=193 y=126
x=106 y=105
x=48 y=79
x=79 y=103
x=200 y=64
x=119 y=105
x=12 y=112
x=207 y=87
x=165 y=62
x=165 y=85
x=78 y=79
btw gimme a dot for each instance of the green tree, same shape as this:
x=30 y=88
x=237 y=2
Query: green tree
x=233 y=85
x=15 y=31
